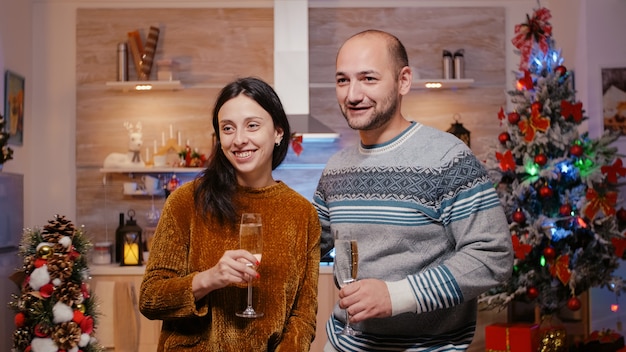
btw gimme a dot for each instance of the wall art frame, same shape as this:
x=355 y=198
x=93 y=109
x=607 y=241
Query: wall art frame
x=614 y=98
x=14 y=85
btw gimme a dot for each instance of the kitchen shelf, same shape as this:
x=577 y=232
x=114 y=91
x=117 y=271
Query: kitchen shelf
x=126 y=86
x=442 y=83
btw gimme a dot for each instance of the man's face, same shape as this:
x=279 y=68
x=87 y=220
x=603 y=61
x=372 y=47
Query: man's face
x=366 y=83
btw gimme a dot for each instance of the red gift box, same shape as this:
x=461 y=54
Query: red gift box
x=517 y=337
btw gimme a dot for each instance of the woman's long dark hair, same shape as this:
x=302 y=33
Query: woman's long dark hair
x=217 y=184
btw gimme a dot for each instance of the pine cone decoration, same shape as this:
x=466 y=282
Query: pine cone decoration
x=68 y=293
x=58 y=228
x=60 y=267
x=22 y=338
x=66 y=335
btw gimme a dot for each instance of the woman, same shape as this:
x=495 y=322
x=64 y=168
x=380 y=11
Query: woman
x=196 y=276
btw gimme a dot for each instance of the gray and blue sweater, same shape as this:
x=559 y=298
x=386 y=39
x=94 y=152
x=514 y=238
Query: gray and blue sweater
x=429 y=223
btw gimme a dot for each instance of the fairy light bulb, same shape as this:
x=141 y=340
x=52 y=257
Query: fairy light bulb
x=614 y=307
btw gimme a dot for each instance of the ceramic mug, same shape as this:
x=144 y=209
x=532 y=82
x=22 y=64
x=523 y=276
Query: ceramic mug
x=151 y=184
x=130 y=187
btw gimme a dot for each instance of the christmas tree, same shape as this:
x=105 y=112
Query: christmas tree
x=558 y=186
x=55 y=310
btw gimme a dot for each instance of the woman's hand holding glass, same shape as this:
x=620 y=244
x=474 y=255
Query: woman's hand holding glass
x=234 y=267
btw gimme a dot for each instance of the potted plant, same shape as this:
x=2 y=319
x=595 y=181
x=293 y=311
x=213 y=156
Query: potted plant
x=6 y=153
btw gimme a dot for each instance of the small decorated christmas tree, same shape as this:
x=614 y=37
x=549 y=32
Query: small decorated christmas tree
x=558 y=185
x=55 y=310
x=6 y=153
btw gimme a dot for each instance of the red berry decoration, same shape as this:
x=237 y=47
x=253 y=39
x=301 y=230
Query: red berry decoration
x=519 y=217
x=514 y=118
x=532 y=292
x=576 y=150
x=566 y=210
x=546 y=191
x=621 y=214
x=541 y=159
x=574 y=304
x=560 y=71
x=549 y=253
x=504 y=137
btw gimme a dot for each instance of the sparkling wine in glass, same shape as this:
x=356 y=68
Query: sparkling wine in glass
x=251 y=239
x=345 y=269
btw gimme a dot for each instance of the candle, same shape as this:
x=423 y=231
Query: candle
x=171 y=132
x=180 y=138
x=131 y=253
x=163 y=139
x=187 y=142
x=155 y=146
x=147 y=153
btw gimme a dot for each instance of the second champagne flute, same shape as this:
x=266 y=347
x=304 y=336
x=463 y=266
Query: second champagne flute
x=251 y=239
x=345 y=270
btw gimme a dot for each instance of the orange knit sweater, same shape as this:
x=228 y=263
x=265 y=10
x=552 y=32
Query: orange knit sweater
x=286 y=293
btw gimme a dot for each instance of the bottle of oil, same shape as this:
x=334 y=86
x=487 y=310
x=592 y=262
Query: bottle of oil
x=447 y=65
x=459 y=64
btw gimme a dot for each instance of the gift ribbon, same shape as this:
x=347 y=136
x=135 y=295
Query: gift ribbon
x=506 y=340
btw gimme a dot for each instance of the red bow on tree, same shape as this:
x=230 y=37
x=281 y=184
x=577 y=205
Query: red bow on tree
x=560 y=268
x=620 y=246
x=521 y=250
x=536 y=122
x=506 y=161
x=612 y=171
x=597 y=202
x=574 y=110
x=536 y=29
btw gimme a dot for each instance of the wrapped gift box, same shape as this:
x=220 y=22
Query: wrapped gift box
x=604 y=341
x=516 y=337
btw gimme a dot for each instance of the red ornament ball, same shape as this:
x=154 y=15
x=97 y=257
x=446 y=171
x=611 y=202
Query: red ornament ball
x=549 y=253
x=576 y=150
x=566 y=209
x=514 y=118
x=519 y=217
x=560 y=71
x=504 y=137
x=574 y=304
x=621 y=214
x=532 y=292
x=20 y=320
x=546 y=192
x=541 y=159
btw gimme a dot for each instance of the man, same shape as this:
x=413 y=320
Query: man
x=431 y=232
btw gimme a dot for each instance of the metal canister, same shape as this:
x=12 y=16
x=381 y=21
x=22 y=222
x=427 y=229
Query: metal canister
x=122 y=62
x=447 y=65
x=459 y=64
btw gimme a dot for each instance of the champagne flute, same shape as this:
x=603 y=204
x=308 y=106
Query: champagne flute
x=250 y=239
x=345 y=269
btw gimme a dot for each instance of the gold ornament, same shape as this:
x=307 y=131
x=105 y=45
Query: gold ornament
x=81 y=307
x=44 y=251
x=553 y=335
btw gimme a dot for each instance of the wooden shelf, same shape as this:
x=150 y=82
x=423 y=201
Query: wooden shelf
x=126 y=86
x=442 y=83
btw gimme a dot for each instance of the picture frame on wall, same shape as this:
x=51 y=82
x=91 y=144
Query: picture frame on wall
x=614 y=98
x=14 y=106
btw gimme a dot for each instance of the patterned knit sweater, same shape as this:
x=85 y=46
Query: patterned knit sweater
x=286 y=292
x=427 y=222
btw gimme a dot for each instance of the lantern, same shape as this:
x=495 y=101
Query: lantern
x=459 y=131
x=132 y=248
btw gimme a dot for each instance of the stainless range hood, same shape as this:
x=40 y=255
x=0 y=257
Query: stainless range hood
x=312 y=129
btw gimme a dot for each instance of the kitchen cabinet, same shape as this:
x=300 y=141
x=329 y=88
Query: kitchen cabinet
x=114 y=278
